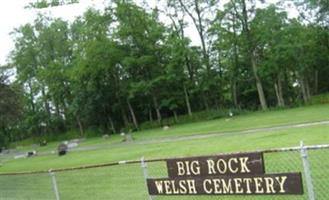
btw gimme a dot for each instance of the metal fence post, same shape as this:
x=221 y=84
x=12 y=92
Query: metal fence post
x=307 y=171
x=144 y=167
x=53 y=178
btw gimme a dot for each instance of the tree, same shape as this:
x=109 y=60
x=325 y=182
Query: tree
x=197 y=10
x=226 y=30
x=251 y=49
x=314 y=11
x=93 y=87
x=40 y=4
x=112 y=70
x=10 y=109
x=268 y=35
x=142 y=36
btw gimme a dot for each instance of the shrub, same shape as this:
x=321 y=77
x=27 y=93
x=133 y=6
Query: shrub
x=196 y=117
x=319 y=99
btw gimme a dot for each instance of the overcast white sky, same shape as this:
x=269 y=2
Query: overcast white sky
x=13 y=14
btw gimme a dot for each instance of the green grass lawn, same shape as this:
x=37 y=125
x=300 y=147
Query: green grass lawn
x=126 y=181
x=247 y=121
x=220 y=144
x=116 y=150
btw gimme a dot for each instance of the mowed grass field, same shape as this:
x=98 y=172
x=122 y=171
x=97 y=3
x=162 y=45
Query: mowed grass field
x=127 y=182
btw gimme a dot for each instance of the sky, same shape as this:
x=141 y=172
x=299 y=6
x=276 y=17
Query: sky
x=13 y=14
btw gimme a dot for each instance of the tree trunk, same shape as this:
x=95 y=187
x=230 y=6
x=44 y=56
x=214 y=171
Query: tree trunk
x=202 y=36
x=175 y=116
x=187 y=101
x=46 y=104
x=234 y=93
x=235 y=65
x=132 y=113
x=303 y=89
x=308 y=89
x=64 y=111
x=197 y=21
x=31 y=97
x=150 y=114
x=157 y=109
x=258 y=84
x=47 y=108
x=80 y=125
x=180 y=31
x=111 y=124
x=204 y=99
x=186 y=58
x=316 y=81
x=124 y=117
x=58 y=112
x=278 y=91
x=252 y=57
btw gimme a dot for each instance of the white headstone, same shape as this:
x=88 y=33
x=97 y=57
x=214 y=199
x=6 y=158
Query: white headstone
x=72 y=145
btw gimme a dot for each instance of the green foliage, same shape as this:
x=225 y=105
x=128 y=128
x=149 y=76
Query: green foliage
x=122 y=69
x=10 y=109
x=39 y=4
x=319 y=99
x=196 y=117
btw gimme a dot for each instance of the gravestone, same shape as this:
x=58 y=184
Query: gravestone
x=62 y=149
x=43 y=143
x=72 y=145
x=106 y=136
x=127 y=137
x=31 y=153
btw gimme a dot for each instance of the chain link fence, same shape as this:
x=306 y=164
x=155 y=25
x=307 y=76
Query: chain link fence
x=126 y=180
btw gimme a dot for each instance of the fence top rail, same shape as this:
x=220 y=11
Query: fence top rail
x=124 y=162
x=296 y=148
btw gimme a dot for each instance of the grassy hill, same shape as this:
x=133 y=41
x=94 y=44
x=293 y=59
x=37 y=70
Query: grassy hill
x=240 y=133
x=154 y=143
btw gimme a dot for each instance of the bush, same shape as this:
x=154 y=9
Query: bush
x=319 y=99
x=56 y=137
x=196 y=117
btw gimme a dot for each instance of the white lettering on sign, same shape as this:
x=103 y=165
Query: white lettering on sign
x=188 y=168
x=238 y=185
x=281 y=181
x=170 y=187
x=233 y=165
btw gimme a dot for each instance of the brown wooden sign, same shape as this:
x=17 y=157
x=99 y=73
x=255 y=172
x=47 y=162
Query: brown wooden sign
x=271 y=184
x=230 y=164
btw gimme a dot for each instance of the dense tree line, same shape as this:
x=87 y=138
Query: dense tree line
x=122 y=66
x=10 y=109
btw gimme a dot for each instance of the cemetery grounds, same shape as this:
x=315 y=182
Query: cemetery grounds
x=117 y=180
